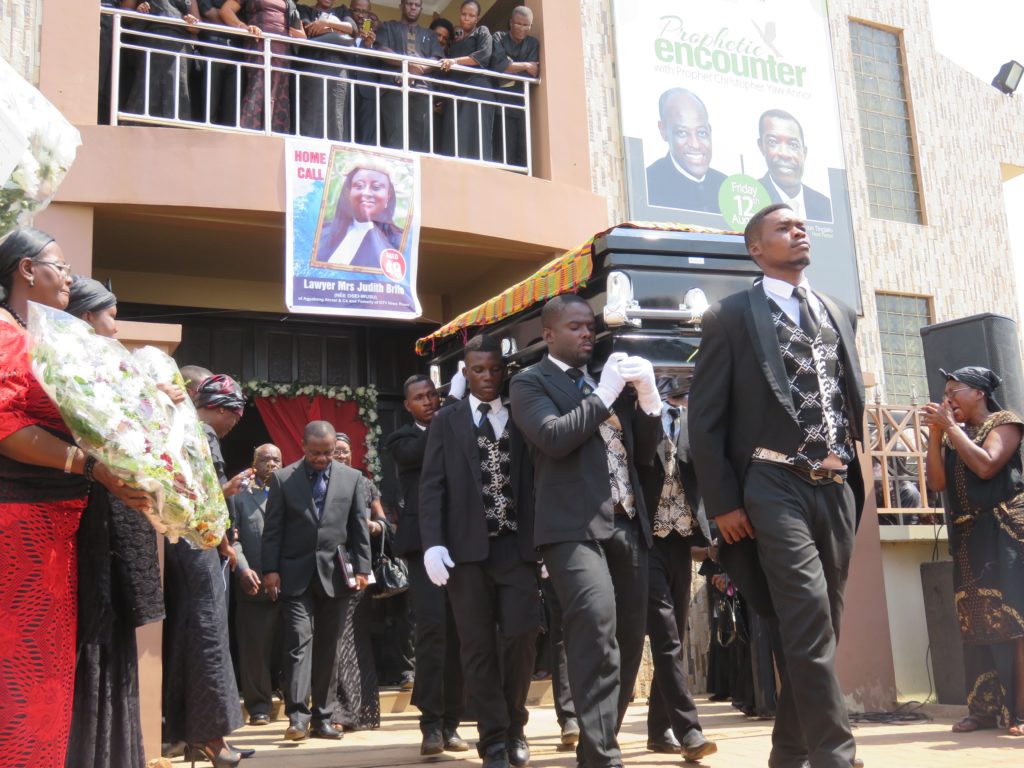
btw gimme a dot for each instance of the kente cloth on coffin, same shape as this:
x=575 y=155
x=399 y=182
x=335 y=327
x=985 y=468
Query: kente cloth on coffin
x=565 y=274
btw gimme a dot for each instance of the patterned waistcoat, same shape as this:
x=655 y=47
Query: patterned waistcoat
x=496 y=472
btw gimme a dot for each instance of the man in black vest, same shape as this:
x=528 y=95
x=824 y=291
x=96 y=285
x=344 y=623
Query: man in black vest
x=409 y=38
x=679 y=523
x=476 y=517
x=592 y=528
x=315 y=508
x=438 y=690
x=776 y=404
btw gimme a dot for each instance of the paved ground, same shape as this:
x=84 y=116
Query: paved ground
x=742 y=743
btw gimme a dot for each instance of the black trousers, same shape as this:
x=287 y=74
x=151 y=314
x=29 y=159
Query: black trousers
x=805 y=539
x=322 y=110
x=497 y=609
x=313 y=622
x=602 y=587
x=438 y=692
x=668 y=607
x=564 y=708
x=391 y=120
x=258 y=632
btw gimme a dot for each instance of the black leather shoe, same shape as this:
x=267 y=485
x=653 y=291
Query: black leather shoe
x=433 y=743
x=666 y=743
x=695 y=746
x=296 y=732
x=570 y=732
x=259 y=719
x=518 y=751
x=323 y=730
x=454 y=743
x=495 y=757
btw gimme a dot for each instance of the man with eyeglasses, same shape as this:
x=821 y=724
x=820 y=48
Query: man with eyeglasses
x=684 y=178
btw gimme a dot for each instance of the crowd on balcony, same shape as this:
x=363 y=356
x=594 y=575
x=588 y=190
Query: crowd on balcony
x=198 y=73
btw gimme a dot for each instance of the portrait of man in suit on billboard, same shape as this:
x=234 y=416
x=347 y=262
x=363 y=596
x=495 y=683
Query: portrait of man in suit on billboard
x=780 y=137
x=684 y=178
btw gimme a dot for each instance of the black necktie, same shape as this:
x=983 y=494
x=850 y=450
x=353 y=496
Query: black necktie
x=808 y=323
x=673 y=413
x=485 y=427
x=576 y=374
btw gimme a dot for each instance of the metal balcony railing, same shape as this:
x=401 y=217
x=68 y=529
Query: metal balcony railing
x=214 y=77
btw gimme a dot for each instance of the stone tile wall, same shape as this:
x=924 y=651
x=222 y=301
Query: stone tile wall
x=19 y=36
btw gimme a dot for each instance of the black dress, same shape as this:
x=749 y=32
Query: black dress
x=986 y=535
x=358 y=705
x=475 y=124
x=119 y=590
x=201 y=701
x=165 y=70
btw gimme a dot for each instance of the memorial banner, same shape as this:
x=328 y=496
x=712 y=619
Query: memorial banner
x=728 y=107
x=352 y=230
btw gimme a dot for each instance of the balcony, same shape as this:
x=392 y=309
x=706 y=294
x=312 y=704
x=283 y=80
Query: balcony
x=213 y=77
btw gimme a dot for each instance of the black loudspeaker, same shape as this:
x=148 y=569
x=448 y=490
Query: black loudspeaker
x=987 y=340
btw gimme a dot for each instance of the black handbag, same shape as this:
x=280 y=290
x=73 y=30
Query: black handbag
x=390 y=573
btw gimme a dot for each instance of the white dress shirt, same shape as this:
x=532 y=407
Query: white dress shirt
x=796 y=203
x=586 y=377
x=781 y=293
x=685 y=172
x=498 y=415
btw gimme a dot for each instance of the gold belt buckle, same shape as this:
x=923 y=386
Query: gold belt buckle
x=818 y=474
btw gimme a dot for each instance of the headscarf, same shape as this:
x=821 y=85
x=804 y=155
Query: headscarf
x=673 y=386
x=220 y=391
x=343 y=438
x=976 y=377
x=22 y=243
x=88 y=295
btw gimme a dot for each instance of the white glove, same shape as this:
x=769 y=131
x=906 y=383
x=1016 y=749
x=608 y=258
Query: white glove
x=640 y=373
x=457 y=387
x=611 y=384
x=434 y=561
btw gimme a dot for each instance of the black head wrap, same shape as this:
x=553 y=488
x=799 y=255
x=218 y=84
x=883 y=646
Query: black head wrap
x=220 y=391
x=343 y=438
x=88 y=295
x=976 y=377
x=673 y=386
x=23 y=243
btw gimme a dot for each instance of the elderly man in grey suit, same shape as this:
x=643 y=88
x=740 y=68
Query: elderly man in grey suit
x=314 y=522
x=257 y=617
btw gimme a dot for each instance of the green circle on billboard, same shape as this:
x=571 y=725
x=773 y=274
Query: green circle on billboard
x=739 y=198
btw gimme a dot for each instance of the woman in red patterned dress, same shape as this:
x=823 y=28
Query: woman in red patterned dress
x=44 y=480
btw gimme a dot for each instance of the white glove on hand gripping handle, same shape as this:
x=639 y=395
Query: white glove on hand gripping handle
x=612 y=383
x=640 y=373
x=434 y=561
x=457 y=387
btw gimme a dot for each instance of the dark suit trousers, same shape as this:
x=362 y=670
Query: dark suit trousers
x=438 y=691
x=391 y=120
x=564 y=708
x=313 y=622
x=258 y=630
x=668 y=606
x=602 y=586
x=805 y=539
x=500 y=593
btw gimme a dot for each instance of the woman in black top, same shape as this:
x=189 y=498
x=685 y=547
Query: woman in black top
x=475 y=125
x=164 y=70
x=979 y=466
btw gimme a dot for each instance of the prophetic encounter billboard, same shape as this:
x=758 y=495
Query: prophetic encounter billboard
x=728 y=107
x=352 y=230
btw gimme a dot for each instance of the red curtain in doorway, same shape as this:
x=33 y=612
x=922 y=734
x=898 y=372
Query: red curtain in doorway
x=286 y=418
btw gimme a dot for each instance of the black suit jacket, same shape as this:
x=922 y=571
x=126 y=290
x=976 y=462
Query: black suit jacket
x=391 y=38
x=572 y=491
x=250 y=508
x=652 y=478
x=668 y=188
x=740 y=400
x=818 y=206
x=407 y=446
x=299 y=547
x=451 y=488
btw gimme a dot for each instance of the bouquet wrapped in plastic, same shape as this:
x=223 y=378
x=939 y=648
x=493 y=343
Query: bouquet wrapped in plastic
x=111 y=404
x=47 y=144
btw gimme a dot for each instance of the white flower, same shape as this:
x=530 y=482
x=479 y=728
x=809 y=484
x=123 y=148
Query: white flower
x=360 y=391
